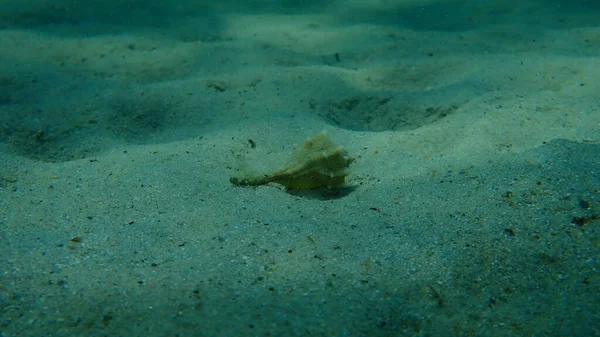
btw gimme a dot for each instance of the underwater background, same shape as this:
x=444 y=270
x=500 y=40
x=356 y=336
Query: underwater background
x=454 y=192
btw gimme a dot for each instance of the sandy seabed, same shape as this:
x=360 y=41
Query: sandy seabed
x=471 y=209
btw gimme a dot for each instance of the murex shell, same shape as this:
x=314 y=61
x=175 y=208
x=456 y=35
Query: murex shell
x=316 y=163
